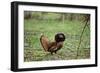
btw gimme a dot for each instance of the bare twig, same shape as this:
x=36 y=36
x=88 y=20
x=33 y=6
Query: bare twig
x=81 y=38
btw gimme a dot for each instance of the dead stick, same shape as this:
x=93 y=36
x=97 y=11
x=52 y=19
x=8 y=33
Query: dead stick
x=81 y=39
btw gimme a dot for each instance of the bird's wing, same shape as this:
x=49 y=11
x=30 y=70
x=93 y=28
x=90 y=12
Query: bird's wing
x=52 y=46
x=44 y=42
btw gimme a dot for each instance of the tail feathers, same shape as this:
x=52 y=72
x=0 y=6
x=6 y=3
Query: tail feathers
x=44 y=42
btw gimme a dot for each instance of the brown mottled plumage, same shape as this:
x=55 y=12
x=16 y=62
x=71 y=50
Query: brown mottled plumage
x=52 y=47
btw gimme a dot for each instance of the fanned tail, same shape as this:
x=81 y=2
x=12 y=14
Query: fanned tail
x=44 y=42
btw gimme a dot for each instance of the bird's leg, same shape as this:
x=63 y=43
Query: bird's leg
x=51 y=53
x=55 y=52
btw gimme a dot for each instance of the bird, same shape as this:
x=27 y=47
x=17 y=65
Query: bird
x=53 y=46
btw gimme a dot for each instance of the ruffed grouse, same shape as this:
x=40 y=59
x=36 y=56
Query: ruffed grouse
x=54 y=46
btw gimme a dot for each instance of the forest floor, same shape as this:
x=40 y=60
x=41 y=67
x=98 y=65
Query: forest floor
x=33 y=51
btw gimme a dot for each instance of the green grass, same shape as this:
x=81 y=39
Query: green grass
x=33 y=29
